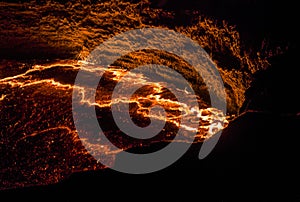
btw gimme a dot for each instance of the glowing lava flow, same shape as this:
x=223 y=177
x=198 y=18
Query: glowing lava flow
x=25 y=79
x=211 y=120
x=207 y=116
x=38 y=138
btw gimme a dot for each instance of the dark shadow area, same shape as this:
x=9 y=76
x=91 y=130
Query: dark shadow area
x=275 y=89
